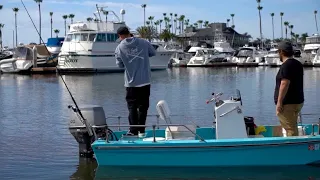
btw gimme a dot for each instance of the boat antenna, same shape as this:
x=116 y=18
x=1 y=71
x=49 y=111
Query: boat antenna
x=89 y=128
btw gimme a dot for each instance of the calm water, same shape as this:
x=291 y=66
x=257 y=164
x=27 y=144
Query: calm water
x=35 y=142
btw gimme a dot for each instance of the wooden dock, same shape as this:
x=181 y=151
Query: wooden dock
x=43 y=70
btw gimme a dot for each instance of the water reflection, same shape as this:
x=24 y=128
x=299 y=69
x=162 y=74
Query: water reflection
x=196 y=173
x=89 y=170
x=33 y=111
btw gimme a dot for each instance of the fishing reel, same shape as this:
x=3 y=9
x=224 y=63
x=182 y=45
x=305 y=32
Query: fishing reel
x=216 y=99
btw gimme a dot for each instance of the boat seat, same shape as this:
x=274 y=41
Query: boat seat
x=173 y=132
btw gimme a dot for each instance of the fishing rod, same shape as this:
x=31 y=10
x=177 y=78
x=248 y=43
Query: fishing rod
x=77 y=109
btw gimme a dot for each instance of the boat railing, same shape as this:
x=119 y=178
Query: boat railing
x=149 y=115
x=153 y=129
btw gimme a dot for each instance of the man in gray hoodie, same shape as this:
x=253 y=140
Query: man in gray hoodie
x=133 y=54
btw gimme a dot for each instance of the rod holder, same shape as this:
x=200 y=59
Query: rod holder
x=154 y=133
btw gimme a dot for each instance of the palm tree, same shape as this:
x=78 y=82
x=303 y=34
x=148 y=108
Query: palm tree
x=228 y=20
x=89 y=19
x=1 y=6
x=106 y=14
x=51 y=13
x=165 y=19
x=304 y=37
x=151 y=18
x=146 y=32
x=160 y=23
x=286 y=24
x=281 y=14
x=181 y=19
x=272 y=15
x=1 y=27
x=200 y=23
x=57 y=32
x=291 y=27
x=39 y=7
x=171 y=15
x=71 y=16
x=15 y=10
x=296 y=36
x=315 y=18
x=156 y=24
x=65 y=17
x=206 y=24
x=144 y=13
x=232 y=15
x=166 y=35
x=175 y=23
x=259 y=9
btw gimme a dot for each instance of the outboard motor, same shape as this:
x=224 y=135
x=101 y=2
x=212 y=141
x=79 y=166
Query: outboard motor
x=94 y=116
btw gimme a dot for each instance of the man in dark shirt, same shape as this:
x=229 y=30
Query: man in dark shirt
x=289 y=95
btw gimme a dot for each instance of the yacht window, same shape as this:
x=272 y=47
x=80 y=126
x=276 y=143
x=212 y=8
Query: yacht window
x=101 y=38
x=69 y=37
x=84 y=37
x=155 y=46
x=91 y=37
x=76 y=37
x=112 y=37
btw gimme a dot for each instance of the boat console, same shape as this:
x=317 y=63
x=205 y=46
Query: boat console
x=229 y=118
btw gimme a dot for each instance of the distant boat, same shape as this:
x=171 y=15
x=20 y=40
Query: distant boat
x=54 y=44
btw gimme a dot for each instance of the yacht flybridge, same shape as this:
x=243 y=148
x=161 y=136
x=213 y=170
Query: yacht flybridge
x=90 y=46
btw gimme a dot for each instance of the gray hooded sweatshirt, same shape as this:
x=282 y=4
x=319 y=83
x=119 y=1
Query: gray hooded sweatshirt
x=133 y=54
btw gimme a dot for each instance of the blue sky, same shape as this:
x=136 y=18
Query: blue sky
x=297 y=12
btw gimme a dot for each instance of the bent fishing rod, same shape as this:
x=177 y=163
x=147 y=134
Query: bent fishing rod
x=89 y=128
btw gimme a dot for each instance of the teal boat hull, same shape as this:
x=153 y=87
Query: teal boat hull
x=265 y=151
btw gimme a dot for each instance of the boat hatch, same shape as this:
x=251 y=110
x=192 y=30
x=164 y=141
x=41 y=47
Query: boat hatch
x=23 y=53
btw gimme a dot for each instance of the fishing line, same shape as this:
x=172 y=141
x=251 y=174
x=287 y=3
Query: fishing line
x=89 y=128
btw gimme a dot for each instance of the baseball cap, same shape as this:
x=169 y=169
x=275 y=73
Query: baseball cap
x=123 y=31
x=285 y=46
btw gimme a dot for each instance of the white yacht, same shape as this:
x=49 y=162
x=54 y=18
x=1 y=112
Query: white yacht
x=180 y=59
x=272 y=58
x=90 y=46
x=207 y=57
x=25 y=56
x=316 y=60
x=247 y=55
x=54 y=45
x=310 y=48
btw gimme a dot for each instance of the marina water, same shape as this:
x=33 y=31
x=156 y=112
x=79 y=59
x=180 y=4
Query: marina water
x=35 y=142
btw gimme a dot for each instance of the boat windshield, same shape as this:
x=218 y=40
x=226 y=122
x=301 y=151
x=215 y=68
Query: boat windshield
x=199 y=53
x=23 y=53
x=52 y=42
x=245 y=52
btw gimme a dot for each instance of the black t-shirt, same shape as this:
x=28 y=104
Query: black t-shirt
x=292 y=70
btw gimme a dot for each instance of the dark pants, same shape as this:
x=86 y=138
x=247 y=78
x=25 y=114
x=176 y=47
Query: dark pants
x=138 y=104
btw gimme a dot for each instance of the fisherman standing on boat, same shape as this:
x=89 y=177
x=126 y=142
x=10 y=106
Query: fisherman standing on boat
x=289 y=95
x=133 y=54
